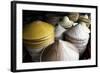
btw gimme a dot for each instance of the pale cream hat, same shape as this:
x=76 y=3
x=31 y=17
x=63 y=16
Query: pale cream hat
x=60 y=51
x=78 y=36
x=85 y=18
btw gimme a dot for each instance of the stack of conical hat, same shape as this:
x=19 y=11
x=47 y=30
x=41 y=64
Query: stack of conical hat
x=78 y=36
x=38 y=34
x=85 y=22
x=85 y=18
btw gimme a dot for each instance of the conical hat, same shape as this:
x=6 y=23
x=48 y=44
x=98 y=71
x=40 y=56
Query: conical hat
x=37 y=30
x=77 y=33
x=78 y=36
x=60 y=51
x=85 y=18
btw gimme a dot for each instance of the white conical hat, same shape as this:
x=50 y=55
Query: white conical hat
x=78 y=36
x=60 y=51
x=37 y=30
x=38 y=34
x=77 y=33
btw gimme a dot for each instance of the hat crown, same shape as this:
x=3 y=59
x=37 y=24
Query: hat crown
x=37 y=30
x=77 y=32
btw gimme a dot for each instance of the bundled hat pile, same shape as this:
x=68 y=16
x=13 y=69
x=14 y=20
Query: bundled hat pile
x=85 y=19
x=78 y=36
x=38 y=34
x=57 y=40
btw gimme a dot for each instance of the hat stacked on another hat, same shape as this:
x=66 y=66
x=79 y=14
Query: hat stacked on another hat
x=85 y=19
x=37 y=36
x=78 y=36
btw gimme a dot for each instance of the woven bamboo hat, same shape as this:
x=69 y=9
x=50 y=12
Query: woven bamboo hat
x=77 y=33
x=60 y=51
x=85 y=18
x=38 y=34
x=78 y=36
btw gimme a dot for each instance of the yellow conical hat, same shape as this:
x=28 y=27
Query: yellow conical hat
x=37 y=30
